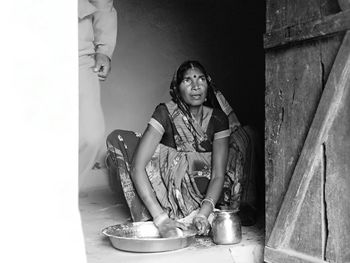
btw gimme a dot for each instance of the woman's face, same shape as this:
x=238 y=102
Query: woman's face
x=193 y=88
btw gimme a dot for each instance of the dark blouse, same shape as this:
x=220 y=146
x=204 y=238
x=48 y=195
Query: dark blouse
x=217 y=123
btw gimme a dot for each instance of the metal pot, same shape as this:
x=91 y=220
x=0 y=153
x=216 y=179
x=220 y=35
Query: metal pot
x=226 y=228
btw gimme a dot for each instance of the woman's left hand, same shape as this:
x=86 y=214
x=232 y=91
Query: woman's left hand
x=201 y=223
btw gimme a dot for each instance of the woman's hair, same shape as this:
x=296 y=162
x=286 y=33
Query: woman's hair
x=178 y=78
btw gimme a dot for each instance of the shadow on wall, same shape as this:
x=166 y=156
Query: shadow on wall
x=154 y=37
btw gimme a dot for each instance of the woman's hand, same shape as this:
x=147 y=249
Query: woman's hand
x=201 y=223
x=170 y=228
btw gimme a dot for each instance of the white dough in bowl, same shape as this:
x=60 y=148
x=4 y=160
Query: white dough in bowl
x=179 y=232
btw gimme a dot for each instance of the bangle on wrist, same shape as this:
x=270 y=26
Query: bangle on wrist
x=209 y=200
x=160 y=219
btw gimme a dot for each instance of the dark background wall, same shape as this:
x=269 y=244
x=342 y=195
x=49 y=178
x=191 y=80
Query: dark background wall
x=154 y=37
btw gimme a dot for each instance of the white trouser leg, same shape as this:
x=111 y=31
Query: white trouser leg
x=91 y=119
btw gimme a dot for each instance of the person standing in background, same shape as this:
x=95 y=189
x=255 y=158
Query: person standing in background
x=97 y=38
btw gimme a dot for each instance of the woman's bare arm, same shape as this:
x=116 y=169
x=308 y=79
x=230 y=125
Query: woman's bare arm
x=143 y=155
x=148 y=144
x=219 y=161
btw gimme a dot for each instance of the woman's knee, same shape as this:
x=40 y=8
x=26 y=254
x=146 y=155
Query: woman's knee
x=117 y=135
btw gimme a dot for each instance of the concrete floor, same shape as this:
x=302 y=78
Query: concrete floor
x=100 y=208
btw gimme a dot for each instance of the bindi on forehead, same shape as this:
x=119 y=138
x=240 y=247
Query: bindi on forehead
x=193 y=72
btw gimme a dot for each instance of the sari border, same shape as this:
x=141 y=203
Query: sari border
x=222 y=134
x=155 y=124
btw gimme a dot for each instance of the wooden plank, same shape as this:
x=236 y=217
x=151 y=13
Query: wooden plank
x=324 y=225
x=275 y=14
x=329 y=48
x=338 y=81
x=337 y=185
x=272 y=255
x=301 y=12
x=308 y=223
x=305 y=31
x=288 y=104
x=295 y=79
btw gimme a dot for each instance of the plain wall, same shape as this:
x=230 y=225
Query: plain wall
x=155 y=37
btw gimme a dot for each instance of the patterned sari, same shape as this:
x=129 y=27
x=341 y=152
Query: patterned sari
x=179 y=176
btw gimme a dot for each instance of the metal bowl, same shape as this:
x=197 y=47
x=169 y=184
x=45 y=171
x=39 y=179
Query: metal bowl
x=144 y=237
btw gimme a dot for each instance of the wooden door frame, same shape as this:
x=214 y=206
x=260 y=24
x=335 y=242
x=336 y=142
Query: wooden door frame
x=337 y=85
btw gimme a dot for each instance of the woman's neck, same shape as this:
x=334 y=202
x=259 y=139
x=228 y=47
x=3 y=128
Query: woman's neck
x=197 y=113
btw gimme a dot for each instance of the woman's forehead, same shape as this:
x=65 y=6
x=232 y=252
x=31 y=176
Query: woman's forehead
x=193 y=71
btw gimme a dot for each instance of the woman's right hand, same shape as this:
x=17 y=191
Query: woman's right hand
x=170 y=228
x=202 y=224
